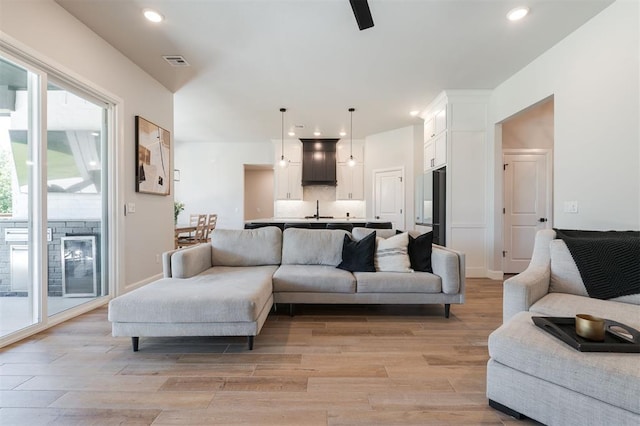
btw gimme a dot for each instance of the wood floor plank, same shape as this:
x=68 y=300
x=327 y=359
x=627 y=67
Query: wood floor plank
x=10 y=382
x=105 y=383
x=18 y=398
x=411 y=417
x=225 y=416
x=72 y=417
x=135 y=400
x=327 y=365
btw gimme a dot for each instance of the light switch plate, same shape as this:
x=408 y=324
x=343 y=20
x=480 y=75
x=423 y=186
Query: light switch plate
x=571 y=207
x=131 y=207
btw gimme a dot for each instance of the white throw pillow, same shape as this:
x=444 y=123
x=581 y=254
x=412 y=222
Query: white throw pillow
x=392 y=254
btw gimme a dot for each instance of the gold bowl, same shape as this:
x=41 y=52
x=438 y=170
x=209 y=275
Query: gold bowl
x=590 y=327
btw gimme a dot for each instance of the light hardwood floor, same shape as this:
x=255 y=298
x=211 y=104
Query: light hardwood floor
x=328 y=365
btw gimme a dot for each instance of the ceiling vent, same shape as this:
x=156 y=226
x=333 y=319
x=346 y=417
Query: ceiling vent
x=176 y=61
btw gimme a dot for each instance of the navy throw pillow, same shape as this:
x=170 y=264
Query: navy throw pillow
x=420 y=252
x=357 y=256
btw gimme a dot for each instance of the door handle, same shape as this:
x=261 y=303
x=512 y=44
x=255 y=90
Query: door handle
x=542 y=219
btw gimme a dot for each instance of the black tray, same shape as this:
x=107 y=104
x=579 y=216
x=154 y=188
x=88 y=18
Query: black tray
x=565 y=330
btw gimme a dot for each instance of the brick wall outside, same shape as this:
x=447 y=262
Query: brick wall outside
x=59 y=228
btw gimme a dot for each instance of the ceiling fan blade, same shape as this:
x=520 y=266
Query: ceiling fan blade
x=362 y=13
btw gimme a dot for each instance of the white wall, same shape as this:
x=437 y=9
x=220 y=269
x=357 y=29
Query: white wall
x=393 y=149
x=46 y=31
x=533 y=129
x=593 y=75
x=212 y=178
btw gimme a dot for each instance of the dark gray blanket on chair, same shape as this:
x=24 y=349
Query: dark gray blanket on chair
x=608 y=261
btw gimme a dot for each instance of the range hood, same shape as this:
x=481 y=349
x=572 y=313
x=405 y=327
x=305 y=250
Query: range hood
x=319 y=162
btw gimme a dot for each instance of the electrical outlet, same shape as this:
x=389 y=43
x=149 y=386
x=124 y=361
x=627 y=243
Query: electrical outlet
x=157 y=258
x=571 y=207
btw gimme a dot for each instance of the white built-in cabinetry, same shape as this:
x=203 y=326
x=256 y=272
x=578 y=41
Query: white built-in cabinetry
x=456 y=136
x=289 y=178
x=435 y=137
x=350 y=178
x=350 y=181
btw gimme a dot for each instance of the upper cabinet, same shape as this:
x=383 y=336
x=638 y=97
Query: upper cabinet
x=288 y=178
x=350 y=178
x=435 y=137
x=292 y=151
x=343 y=151
x=350 y=182
x=435 y=122
x=435 y=152
x=288 y=182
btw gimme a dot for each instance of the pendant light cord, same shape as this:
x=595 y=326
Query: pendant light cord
x=282 y=110
x=351 y=136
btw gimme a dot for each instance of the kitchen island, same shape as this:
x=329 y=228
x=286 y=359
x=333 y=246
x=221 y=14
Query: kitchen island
x=316 y=223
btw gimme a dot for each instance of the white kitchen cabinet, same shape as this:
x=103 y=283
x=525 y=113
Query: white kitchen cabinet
x=350 y=181
x=435 y=152
x=343 y=151
x=289 y=182
x=292 y=151
x=435 y=122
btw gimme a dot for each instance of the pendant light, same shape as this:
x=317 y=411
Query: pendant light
x=352 y=161
x=283 y=161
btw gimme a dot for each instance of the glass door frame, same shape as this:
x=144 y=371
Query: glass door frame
x=38 y=77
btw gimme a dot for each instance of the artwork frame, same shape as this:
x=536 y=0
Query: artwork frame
x=153 y=158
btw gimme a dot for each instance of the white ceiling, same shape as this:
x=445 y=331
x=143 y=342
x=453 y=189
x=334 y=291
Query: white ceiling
x=250 y=57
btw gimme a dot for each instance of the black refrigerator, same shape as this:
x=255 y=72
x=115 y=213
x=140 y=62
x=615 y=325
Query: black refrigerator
x=439 y=203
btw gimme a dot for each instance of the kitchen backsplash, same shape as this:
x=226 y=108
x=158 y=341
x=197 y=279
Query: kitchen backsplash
x=329 y=206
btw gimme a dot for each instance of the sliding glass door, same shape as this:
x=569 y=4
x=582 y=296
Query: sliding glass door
x=53 y=245
x=19 y=297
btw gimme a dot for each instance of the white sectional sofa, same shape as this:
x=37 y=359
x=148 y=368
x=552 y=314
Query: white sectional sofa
x=229 y=286
x=531 y=373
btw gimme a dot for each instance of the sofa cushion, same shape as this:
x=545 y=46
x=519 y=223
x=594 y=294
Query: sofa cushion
x=312 y=246
x=420 y=249
x=395 y=282
x=313 y=278
x=565 y=277
x=246 y=247
x=568 y=305
x=220 y=294
x=613 y=378
x=392 y=254
x=359 y=255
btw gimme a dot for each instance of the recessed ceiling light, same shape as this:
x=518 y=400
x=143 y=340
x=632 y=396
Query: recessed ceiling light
x=517 y=13
x=414 y=113
x=152 y=15
x=291 y=133
x=316 y=133
x=343 y=133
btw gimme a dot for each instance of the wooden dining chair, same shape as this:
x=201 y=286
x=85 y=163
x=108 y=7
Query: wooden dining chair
x=212 y=219
x=199 y=236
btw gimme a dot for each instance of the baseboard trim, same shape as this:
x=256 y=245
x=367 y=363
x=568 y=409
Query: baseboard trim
x=475 y=273
x=495 y=275
x=140 y=283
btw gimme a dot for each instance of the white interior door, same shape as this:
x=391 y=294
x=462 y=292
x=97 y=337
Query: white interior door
x=527 y=206
x=389 y=196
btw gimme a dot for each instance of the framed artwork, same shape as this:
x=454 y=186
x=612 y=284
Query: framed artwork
x=153 y=157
